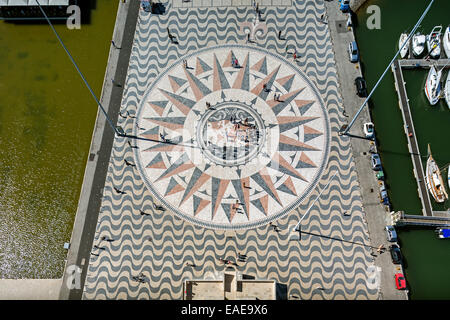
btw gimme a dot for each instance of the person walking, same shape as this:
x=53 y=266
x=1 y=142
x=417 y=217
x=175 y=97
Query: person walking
x=171 y=36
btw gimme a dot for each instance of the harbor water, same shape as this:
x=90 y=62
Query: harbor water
x=427 y=257
x=46 y=122
x=47 y=117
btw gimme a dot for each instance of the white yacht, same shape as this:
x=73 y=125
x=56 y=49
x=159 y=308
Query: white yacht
x=405 y=49
x=447 y=91
x=418 y=44
x=433 y=85
x=434 y=42
x=446 y=42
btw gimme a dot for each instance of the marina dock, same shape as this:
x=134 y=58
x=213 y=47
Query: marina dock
x=421 y=63
x=413 y=146
x=401 y=219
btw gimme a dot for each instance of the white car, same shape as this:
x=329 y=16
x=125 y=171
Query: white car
x=369 y=130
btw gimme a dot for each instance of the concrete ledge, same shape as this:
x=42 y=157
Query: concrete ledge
x=30 y=289
x=356 y=4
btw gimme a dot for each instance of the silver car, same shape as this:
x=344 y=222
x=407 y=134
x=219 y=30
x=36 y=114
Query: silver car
x=391 y=234
x=353 y=51
x=376 y=162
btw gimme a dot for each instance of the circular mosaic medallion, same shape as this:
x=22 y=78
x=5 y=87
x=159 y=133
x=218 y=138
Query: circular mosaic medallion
x=231 y=137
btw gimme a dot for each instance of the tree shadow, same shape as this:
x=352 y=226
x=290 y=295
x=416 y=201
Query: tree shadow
x=158 y=8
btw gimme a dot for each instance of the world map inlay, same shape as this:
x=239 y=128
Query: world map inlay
x=231 y=137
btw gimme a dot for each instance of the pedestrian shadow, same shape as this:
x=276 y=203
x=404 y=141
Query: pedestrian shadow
x=337 y=239
x=358 y=137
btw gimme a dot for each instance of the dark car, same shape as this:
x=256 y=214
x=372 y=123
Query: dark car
x=396 y=255
x=361 y=89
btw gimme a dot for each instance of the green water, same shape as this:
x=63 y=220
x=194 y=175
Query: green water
x=427 y=257
x=46 y=121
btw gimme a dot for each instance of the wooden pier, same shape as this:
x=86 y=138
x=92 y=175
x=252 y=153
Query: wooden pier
x=421 y=63
x=413 y=146
x=400 y=219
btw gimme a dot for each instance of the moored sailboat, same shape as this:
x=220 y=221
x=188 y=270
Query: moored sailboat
x=401 y=41
x=434 y=180
x=418 y=44
x=447 y=90
x=446 y=42
x=434 y=42
x=433 y=85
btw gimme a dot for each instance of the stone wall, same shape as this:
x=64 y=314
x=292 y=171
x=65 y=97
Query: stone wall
x=355 y=4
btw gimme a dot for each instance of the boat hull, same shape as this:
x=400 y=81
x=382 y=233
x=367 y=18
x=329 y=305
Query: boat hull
x=447 y=92
x=405 y=49
x=434 y=48
x=434 y=181
x=418 y=45
x=433 y=85
x=446 y=42
x=434 y=42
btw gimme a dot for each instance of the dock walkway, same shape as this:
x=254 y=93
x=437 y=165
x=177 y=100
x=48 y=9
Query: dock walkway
x=421 y=63
x=401 y=219
x=413 y=146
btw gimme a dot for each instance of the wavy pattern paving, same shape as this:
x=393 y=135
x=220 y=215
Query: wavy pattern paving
x=328 y=263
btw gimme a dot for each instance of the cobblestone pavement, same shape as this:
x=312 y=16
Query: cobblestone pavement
x=198 y=189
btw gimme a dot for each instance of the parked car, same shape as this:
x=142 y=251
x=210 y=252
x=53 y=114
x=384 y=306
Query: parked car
x=369 y=130
x=345 y=5
x=400 y=281
x=391 y=234
x=380 y=175
x=376 y=161
x=396 y=254
x=353 y=51
x=361 y=88
x=349 y=20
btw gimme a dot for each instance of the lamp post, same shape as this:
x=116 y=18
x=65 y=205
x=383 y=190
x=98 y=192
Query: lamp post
x=297 y=226
x=118 y=130
x=344 y=130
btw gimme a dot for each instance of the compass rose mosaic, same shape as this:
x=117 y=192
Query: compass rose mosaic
x=231 y=137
